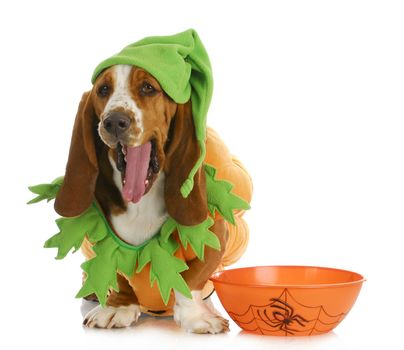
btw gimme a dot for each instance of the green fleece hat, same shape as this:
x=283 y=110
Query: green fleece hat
x=181 y=65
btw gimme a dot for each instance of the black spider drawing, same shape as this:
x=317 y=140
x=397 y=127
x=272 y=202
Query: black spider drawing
x=283 y=316
x=279 y=316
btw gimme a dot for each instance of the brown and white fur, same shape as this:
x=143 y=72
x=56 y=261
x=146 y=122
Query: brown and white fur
x=92 y=172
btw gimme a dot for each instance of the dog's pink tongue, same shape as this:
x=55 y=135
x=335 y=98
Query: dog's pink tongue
x=137 y=164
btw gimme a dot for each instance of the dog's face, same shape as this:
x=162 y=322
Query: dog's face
x=134 y=120
x=144 y=133
x=132 y=107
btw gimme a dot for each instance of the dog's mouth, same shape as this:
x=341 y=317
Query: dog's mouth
x=139 y=167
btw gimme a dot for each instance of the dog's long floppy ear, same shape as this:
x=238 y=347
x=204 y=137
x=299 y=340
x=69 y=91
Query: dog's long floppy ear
x=181 y=154
x=77 y=191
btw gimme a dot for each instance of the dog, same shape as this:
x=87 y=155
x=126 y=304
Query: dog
x=125 y=117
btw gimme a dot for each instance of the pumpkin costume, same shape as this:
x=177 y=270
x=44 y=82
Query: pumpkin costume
x=153 y=269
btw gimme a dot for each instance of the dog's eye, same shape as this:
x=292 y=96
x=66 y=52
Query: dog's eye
x=103 y=90
x=147 y=89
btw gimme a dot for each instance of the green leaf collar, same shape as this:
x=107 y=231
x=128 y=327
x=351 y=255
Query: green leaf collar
x=113 y=255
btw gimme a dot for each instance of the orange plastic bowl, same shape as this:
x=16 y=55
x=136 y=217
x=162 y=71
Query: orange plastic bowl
x=287 y=300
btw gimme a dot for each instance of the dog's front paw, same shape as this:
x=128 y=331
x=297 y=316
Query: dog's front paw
x=112 y=317
x=202 y=323
x=195 y=317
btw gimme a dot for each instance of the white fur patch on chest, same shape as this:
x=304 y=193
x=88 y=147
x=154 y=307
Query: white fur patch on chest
x=144 y=219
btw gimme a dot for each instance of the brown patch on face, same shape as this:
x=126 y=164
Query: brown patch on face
x=105 y=79
x=157 y=111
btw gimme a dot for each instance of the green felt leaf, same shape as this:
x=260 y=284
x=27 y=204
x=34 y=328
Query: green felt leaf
x=221 y=198
x=167 y=229
x=145 y=256
x=73 y=231
x=95 y=224
x=45 y=191
x=170 y=245
x=198 y=236
x=101 y=271
x=165 y=269
x=68 y=238
x=126 y=260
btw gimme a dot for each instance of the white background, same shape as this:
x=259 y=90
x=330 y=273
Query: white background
x=308 y=94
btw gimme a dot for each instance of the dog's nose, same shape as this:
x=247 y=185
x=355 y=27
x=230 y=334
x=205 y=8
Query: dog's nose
x=116 y=123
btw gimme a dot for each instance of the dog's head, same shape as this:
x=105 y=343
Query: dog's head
x=144 y=133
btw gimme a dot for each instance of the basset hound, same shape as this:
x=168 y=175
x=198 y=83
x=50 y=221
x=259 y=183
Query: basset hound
x=126 y=110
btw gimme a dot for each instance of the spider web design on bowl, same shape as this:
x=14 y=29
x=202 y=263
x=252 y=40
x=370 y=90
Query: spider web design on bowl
x=279 y=316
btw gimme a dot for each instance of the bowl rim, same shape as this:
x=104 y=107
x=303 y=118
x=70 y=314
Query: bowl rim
x=215 y=278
